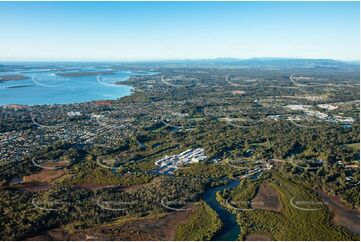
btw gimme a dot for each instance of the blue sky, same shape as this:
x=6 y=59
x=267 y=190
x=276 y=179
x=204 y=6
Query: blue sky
x=178 y=30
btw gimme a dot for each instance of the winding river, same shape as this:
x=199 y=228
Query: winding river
x=230 y=230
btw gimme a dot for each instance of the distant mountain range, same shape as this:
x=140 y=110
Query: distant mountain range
x=265 y=62
x=272 y=63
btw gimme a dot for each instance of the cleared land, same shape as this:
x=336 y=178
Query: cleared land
x=346 y=217
x=267 y=198
x=257 y=237
x=44 y=176
x=152 y=227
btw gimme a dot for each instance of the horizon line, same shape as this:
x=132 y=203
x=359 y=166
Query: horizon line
x=169 y=59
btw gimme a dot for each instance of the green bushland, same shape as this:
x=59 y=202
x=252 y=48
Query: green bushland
x=203 y=224
x=103 y=176
x=246 y=189
x=83 y=208
x=205 y=170
x=291 y=223
x=92 y=173
x=330 y=178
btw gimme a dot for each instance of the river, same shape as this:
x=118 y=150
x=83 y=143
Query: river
x=230 y=230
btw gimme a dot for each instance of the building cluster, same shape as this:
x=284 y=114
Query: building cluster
x=329 y=107
x=168 y=164
x=306 y=109
x=74 y=114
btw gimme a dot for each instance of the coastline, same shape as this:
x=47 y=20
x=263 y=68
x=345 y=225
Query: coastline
x=126 y=91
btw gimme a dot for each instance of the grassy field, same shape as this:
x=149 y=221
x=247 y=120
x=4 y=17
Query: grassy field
x=203 y=224
x=290 y=223
x=355 y=146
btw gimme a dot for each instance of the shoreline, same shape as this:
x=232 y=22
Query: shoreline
x=132 y=91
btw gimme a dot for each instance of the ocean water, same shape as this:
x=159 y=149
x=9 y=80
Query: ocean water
x=43 y=86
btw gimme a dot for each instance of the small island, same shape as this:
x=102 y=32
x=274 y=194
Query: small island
x=85 y=73
x=17 y=77
x=20 y=86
